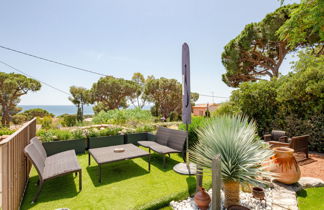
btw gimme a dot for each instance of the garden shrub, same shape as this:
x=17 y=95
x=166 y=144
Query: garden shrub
x=69 y=120
x=295 y=126
x=145 y=128
x=6 y=131
x=196 y=122
x=294 y=102
x=19 y=119
x=109 y=131
x=226 y=108
x=37 y=112
x=123 y=116
x=46 y=122
x=258 y=101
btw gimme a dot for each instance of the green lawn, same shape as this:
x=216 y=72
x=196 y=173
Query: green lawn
x=125 y=185
x=311 y=199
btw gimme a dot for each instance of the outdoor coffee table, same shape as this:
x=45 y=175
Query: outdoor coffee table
x=105 y=155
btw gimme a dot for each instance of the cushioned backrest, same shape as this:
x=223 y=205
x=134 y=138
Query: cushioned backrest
x=299 y=142
x=275 y=134
x=162 y=135
x=177 y=139
x=39 y=146
x=34 y=155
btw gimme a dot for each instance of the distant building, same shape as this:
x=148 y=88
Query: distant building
x=200 y=109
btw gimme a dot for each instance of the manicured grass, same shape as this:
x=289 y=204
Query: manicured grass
x=311 y=199
x=125 y=185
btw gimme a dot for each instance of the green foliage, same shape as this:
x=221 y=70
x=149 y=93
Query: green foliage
x=258 y=101
x=166 y=94
x=46 y=122
x=305 y=25
x=19 y=119
x=296 y=126
x=80 y=97
x=293 y=103
x=227 y=108
x=112 y=93
x=302 y=93
x=78 y=134
x=37 y=112
x=58 y=134
x=109 y=131
x=257 y=51
x=123 y=116
x=242 y=153
x=145 y=128
x=6 y=131
x=196 y=123
x=139 y=98
x=69 y=120
x=12 y=87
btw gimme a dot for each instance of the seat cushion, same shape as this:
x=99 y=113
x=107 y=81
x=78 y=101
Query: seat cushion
x=158 y=147
x=60 y=164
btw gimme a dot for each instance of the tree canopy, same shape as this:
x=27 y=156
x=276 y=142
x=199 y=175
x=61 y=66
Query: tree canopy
x=139 y=99
x=166 y=94
x=305 y=25
x=112 y=93
x=257 y=52
x=80 y=97
x=12 y=87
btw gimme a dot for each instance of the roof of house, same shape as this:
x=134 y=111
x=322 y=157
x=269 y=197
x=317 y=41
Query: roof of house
x=204 y=105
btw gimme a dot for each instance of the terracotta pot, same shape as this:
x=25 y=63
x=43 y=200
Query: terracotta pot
x=202 y=199
x=285 y=165
x=246 y=187
x=258 y=193
x=232 y=193
x=237 y=207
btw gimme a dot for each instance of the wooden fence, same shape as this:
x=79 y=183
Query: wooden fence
x=14 y=166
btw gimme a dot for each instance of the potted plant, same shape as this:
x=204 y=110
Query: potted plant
x=242 y=153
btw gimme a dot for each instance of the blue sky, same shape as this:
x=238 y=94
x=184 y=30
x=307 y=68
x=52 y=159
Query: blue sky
x=122 y=37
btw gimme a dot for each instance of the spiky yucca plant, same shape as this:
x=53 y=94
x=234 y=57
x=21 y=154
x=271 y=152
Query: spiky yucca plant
x=242 y=153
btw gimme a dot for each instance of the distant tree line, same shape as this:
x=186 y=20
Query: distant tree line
x=110 y=93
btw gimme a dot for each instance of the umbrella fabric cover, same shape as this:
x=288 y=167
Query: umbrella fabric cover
x=186 y=105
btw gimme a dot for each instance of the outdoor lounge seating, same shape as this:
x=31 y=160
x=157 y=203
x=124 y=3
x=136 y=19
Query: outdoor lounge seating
x=276 y=135
x=167 y=141
x=53 y=166
x=298 y=143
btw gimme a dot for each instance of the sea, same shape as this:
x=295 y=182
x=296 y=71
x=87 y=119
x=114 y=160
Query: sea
x=66 y=109
x=59 y=109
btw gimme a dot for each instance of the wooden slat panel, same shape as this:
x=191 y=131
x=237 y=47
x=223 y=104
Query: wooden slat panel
x=14 y=165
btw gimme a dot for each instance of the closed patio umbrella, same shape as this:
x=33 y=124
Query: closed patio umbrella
x=186 y=168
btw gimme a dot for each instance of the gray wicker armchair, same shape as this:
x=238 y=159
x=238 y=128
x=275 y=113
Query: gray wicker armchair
x=276 y=135
x=298 y=143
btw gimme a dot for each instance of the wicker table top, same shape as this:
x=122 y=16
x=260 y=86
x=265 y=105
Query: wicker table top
x=106 y=154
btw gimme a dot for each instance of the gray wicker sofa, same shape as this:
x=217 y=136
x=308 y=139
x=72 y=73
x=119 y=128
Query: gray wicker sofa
x=49 y=167
x=167 y=141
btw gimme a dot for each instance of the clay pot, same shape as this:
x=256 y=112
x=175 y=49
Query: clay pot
x=258 y=193
x=232 y=193
x=202 y=199
x=237 y=207
x=285 y=165
x=246 y=187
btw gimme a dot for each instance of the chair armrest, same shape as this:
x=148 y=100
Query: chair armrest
x=278 y=144
x=283 y=139
x=267 y=137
